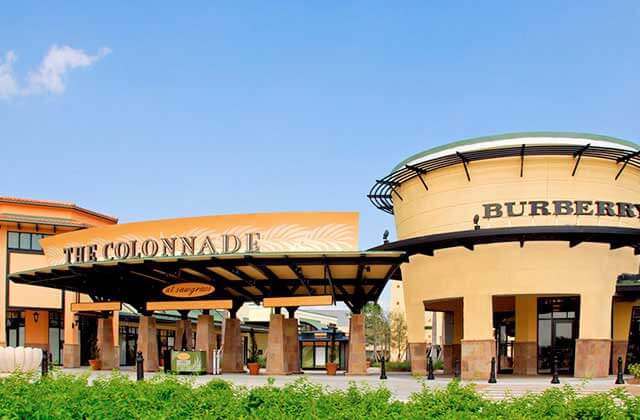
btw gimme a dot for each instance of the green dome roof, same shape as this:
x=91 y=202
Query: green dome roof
x=534 y=134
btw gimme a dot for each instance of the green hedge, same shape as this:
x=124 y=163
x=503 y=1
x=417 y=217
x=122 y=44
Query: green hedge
x=167 y=397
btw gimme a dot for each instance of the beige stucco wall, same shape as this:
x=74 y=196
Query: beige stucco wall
x=452 y=201
x=553 y=268
x=24 y=296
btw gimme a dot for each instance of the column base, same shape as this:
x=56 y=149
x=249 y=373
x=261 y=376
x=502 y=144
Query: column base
x=291 y=345
x=232 y=347
x=357 y=364
x=418 y=358
x=450 y=353
x=618 y=349
x=476 y=358
x=148 y=342
x=71 y=355
x=592 y=358
x=116 y=357
x=276 y=363
x=105 y=343
x=205 y=338
x=525 y=358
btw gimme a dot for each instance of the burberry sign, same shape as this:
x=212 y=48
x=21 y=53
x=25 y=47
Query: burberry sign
x=561 y=208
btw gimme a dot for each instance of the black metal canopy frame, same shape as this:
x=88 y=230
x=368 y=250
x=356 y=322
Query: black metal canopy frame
x=242 y=278
x=382 y=191
x=616 y=237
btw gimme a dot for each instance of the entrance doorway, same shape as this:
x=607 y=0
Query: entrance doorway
x=557 y=332
x=88 y=338
x=505 y=332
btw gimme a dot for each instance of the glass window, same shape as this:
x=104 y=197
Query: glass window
x=25 y=241
x=14 y=241
x=35 y=242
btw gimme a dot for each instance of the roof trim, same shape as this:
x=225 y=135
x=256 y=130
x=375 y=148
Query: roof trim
x=517 y=135
x=56 y=204
x=616 y=237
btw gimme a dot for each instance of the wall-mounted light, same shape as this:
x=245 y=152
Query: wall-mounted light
x=36 y=316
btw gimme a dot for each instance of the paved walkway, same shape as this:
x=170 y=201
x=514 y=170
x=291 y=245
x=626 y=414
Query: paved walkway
x=401 y=384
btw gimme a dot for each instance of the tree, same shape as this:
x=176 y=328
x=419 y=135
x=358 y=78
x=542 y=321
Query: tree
x=398 y=332
x=377 y=330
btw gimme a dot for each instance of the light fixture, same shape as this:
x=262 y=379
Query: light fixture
x=36 y=316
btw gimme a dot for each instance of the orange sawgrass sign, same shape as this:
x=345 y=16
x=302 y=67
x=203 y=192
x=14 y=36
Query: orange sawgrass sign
x=188 y=290
x=207 y=235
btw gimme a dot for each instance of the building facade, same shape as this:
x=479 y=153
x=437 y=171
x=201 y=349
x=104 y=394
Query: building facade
x=34 y=316
x=521 y=241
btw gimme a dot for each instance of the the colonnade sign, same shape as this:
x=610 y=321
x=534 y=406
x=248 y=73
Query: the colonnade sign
x=207 y=235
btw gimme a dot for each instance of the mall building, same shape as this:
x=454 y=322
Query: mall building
x=88 y=289
x=523 y=247
x=528 y=245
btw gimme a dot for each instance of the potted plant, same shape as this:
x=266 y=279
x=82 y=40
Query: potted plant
x=94 y=355
x=331 y=366
x=252 y=360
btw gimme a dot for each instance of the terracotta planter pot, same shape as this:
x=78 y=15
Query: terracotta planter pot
x=95 y=364
x=332 y=368
x=254 y=368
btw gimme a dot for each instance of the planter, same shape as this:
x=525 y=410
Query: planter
x=633 y=381
x=254 y=368
x=332 y=368
x=95 y=364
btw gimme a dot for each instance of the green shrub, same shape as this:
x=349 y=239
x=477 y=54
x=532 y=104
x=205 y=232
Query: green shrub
x=634 y=369
x=60 y=396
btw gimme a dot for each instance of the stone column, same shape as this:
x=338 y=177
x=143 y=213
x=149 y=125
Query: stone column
x=105 y=343
x=232 y=346
x=71 y=349
x=276 y=353
x=148 y=342
x=593 y=348
x=478 y=345
x=291 y=344
x=184 y=331
x=206 y=338
x=418 y=358
x=525 y=347
x=357 y=364
x=116 y=338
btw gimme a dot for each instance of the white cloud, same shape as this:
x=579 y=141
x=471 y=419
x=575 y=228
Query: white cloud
x=50 y=75
x=8 y=84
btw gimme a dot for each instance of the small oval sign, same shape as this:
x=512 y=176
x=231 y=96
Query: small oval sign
x=183 y=356
x=188 y=290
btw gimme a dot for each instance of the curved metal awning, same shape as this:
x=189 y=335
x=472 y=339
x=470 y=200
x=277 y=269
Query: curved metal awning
x=351 y=277
x=381 y=192
x=616 y=237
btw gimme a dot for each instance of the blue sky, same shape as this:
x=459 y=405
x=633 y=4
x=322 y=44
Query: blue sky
x=229 y=107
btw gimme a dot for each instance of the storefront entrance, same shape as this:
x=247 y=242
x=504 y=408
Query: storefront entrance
x=505 y=331
x=557 y=333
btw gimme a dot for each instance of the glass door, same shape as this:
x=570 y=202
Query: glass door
x=505 y=331
x=557 y=333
